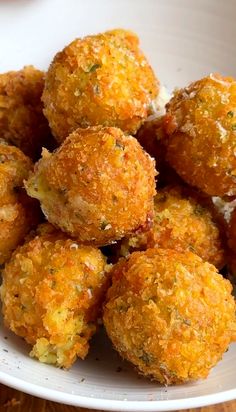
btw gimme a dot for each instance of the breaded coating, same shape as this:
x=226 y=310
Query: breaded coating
x=102 y=79
x=183 y=222
x=98 y=186
x=22 y=122
x=201 y=124
x=170 y=314
x=51 y=293
x=18 y=212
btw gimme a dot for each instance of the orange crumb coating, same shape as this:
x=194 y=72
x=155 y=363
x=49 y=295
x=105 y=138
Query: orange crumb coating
x=51 y=293
x=181 y=222
x=18 y=212
x=170 y=314
x=98 y=186
x=22 y=122
x=102 y=79
x=201 y=124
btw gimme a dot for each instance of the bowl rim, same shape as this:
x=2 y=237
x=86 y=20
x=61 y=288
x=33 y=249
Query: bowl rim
x=115 y=405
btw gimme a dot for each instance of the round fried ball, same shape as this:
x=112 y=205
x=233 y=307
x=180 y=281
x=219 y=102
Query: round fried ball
x=102 y=79
x=98 y=186
x=51 y=293
x=201 y=124
x=22 y=122
x=181 y=222
x=18 y=212
x=170 y=314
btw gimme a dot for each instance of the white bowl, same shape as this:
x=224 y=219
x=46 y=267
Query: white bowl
x=184 y=39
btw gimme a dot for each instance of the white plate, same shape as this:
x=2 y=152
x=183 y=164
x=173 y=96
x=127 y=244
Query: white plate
x=184 y=39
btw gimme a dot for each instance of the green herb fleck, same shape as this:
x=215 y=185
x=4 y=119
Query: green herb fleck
x=122 y=308
x=230 y=114
x=119 y=145
x=104 y=225
x=52 y=271
x=233 y=127
x=96 y=89
x=93 y=68
x=199 y=210
x=80 y=217
x=191 y=248
x=78 y=288
x=187 y=322
x=146 y=358
x=53 y=284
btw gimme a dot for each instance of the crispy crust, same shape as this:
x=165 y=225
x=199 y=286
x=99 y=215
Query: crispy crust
x=98 y=186
x=51 y=293
x=181 y=222
x=170 y=314
x=18 y=213
x=201 y=124
x=102 y=79
x=22 y=122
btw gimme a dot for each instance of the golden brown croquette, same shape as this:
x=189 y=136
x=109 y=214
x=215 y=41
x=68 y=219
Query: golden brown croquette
x=201 y=124
x=102 y=79
x=18 y=212
x=22 y=122
x=51 y=293
x=183 y=222
x=170 y=314
x=98 y=186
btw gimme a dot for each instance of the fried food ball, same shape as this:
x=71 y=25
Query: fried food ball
x=102 y=79
x=183 y=222
x=201 y=124
x=98 y=186
x=18 y=213
x=51 y=293
x=22 y=122
x=170 y=314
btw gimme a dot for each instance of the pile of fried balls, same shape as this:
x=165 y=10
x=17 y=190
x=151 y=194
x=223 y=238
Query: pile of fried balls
x=110 y=211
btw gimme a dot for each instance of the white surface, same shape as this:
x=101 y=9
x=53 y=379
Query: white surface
x=97 y=383
x=184 y=40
